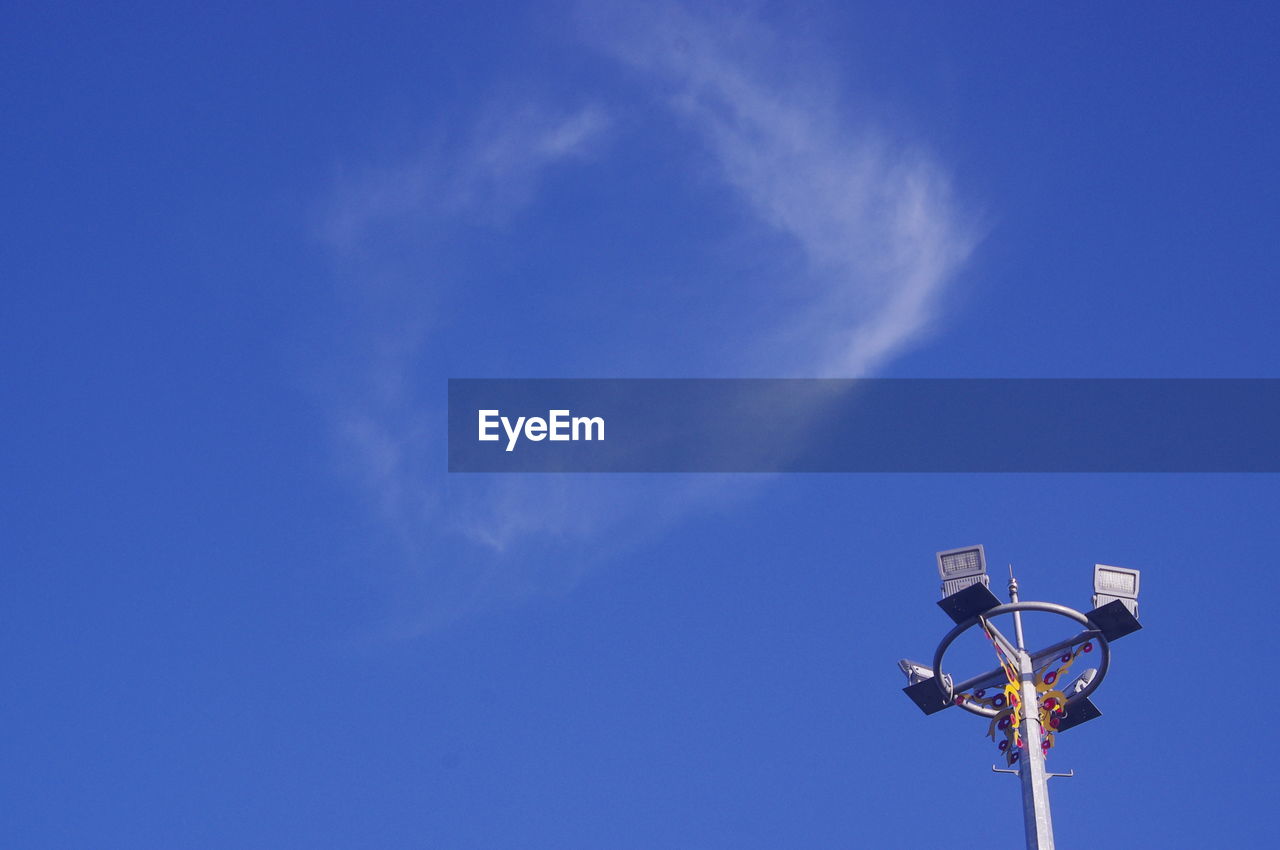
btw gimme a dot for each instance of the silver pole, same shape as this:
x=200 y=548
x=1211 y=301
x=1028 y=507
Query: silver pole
x=1035 y=782
x=1017 y=615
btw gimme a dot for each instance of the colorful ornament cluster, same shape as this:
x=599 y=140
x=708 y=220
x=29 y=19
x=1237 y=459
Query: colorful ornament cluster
x=1052 y=702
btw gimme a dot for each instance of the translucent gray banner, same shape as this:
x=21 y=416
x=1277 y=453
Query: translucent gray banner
x=867 y=425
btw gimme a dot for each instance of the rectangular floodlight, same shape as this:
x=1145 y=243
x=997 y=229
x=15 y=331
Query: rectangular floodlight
x=960 y=563
x=1115 y=583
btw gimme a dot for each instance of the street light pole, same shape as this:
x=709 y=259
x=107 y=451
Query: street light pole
x=1036 y=818
x=969 y=603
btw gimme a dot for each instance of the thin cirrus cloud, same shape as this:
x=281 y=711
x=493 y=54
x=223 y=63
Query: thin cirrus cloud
x=876 y=222
x=876 y=225
x=488 y=173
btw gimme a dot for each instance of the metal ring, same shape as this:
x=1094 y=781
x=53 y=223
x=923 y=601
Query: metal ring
x=1010 y=608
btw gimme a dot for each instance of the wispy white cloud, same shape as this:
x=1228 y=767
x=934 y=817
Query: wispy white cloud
x=387 y=426
x=875 y=222
x=486 y=173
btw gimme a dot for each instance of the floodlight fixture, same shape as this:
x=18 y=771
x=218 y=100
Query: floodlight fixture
x=1086 y=678
x=915 y=671
x=922 y=689
x=1115 y=583
x=961 y=568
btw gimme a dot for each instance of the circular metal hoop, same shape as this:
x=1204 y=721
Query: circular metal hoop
x=1010 y=608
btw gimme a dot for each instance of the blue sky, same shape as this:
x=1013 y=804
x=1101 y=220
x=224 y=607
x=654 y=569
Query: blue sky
x=244 y=605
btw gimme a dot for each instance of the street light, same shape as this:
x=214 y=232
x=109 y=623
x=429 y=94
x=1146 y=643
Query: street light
x=965 y=591
x=1032 y=686
x=1115 y=583
x=1115 y=600
x=960 y=568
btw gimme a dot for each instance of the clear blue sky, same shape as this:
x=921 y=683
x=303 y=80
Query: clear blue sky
x=244 y=606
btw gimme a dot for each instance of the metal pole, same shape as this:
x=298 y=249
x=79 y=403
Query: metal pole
x=1017 y=615
x=1035 y=782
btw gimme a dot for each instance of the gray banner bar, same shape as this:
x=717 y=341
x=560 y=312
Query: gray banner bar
x=868 y=425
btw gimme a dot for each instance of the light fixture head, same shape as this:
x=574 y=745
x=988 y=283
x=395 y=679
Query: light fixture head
x=960 y=568
x=1086 y=678
x=1115 y=583
x=915 y=671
